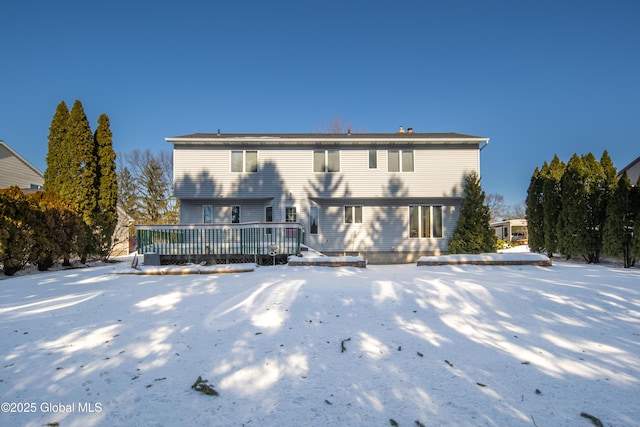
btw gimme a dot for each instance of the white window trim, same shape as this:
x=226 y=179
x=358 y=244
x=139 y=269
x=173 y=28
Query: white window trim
x=400 y=161
x=420 y=208
x=326 y=161
x=353 y=214
x=284 y=212
x=318 y=220
x=244 y=161
x=377 y=160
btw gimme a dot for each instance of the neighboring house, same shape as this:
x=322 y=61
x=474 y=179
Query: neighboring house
x=16 y=170
x=512 y=230
x=387 y=197
x=632 y=170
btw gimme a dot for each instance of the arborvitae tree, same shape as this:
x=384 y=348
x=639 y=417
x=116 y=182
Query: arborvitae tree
x=473 y=233
x=635 y=207
x=619 y=225
x=552 y=202
x=81 y=191
x=106 y=214
x=598 y=190
x=535 y=211
x=572 y=218
x=581 y=220
x=85 y=162
x=58 y=157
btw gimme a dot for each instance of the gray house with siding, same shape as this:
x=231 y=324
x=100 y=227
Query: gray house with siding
x=387 y=197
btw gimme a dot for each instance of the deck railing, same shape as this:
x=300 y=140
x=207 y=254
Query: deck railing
x=255 y=238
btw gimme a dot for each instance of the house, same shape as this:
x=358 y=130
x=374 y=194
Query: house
x=16 y=170
x=388 y=197
x=632 y=170
x=513 y=231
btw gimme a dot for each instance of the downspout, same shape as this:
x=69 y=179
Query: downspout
x=482 y=147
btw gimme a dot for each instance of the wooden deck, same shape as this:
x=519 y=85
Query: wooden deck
x=258 y=242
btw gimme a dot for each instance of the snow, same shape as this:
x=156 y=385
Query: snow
x=512 y=256
x=456 y=345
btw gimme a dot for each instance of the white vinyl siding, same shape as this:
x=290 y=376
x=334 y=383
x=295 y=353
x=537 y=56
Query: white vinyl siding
x=203 y=174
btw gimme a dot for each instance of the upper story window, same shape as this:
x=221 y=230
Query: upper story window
x=244 y=161
x=373 y=159
x=400 y=160
x=326 y=160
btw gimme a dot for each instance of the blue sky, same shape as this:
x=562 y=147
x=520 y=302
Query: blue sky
x=537 y=78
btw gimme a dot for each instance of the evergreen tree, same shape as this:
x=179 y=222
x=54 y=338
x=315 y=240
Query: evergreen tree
x=635 y=208
x=81 y=190
x=552 y=203
x=155 y=190
x=619 y=224
x=84 y=194
x=48 y=231
x=535 y=211
x=128 y=192
x=581 y=219
x=106 y=214
x=473 y=233
x=57 y=172
x=571 y=219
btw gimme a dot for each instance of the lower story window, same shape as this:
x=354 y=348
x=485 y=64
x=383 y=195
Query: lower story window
x=313 y=220
x=207 y=214
x=353 y=214
x=268 y=217
x=425 y=221
x=290 y=214
x=235 y=214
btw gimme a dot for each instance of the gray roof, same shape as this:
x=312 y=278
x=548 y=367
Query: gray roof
x=326 y=138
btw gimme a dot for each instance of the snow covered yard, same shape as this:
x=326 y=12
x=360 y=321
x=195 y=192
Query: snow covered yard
x=317 y=346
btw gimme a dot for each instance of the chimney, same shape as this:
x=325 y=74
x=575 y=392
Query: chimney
x=401 y=130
